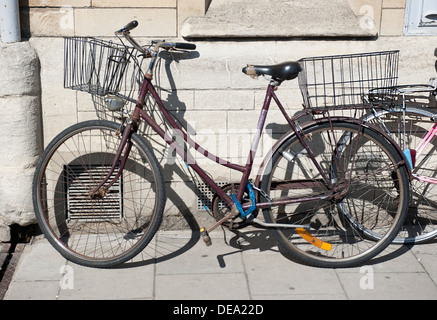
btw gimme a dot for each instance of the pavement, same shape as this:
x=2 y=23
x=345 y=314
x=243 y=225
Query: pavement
x=240 y=266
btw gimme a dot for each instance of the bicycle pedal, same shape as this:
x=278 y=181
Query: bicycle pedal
x=205 y=237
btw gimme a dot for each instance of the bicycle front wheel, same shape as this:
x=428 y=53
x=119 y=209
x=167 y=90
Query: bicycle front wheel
x=104 y=230
x=357 y=214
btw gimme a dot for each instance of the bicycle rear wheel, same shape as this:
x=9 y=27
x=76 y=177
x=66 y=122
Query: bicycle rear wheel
x=369 y=202
x=105 y=230
x=408 y=128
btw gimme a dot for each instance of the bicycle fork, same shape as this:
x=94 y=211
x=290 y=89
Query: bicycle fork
x=100 y=191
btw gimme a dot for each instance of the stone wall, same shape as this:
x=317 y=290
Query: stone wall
x=207 y=89
x=20 y=136
x=158 y=18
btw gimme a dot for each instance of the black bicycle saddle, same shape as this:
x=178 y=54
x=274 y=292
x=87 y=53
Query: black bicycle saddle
x=280 y=72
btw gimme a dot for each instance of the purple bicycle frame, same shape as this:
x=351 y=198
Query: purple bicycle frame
x=147 y=87
x=139 y=113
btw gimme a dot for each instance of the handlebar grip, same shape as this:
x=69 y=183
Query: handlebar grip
x=131 y=25
x=185 y=45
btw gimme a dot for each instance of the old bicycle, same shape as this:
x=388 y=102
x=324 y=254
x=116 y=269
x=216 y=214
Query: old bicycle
x=334 y=190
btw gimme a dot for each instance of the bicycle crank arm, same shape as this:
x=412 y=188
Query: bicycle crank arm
x=280 y=225
x=204 y=232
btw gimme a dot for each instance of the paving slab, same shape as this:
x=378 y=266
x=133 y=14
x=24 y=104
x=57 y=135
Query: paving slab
x=221 y=286
x=392 y=285
x=107 y=284
x=218 y=258
x=238 y=266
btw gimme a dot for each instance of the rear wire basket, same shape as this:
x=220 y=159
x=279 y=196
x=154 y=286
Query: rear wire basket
x=349 y=81
x=95 y=66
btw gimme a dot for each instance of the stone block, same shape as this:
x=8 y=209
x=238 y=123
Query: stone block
x=181 y=206
x=187 y=8
x=54 y=3
x=393 y=3
x=206 y=122
x=134 y=3
x=19 y=67
x=177 y=100
x=87 y=103
x=20 y=137
x=85 y=116
x=193 y=72
x=5 y=232
x=16 y=196
x=37 y=22
x=244 y=120
x=104 y=22
x=392 y=22
x=224 y=100
x=53 y=125
x=59 y=111
x=50 y=52
x=304 y=18
x=219 y=172
x=59 y=103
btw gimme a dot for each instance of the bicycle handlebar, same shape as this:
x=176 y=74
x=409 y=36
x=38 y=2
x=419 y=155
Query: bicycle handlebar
x=145 y=52
x=185 y=45
x=173 y=45
x=131 y=25
x=158 y=44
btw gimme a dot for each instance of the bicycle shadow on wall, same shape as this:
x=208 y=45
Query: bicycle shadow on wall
x=173 y=170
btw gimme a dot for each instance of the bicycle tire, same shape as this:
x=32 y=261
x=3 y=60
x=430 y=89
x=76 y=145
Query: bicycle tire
x=97 y=232
x=421 y=220
x=372 y=204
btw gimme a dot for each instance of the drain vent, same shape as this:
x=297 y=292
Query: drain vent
x=79 y=180
x=205 y=194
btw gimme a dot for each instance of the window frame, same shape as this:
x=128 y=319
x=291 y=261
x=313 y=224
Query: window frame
x=416 y=24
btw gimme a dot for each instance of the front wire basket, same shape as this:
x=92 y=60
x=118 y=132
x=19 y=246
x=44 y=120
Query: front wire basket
x=346 y=81
x=99 y=67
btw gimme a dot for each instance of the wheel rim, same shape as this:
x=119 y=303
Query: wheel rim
x=96 y=230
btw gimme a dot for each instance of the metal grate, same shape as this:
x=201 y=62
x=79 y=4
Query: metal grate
x=79 y=180
x=205 y=194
